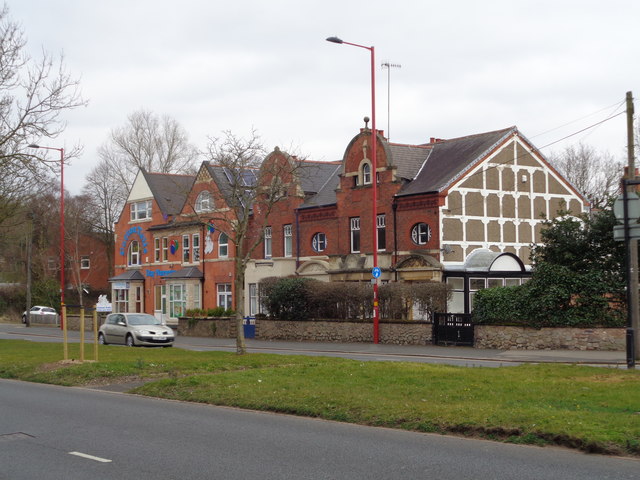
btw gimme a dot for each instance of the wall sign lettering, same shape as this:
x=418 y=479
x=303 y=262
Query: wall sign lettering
x=134 y=231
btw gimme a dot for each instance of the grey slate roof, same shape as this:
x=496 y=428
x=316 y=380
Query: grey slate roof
x=408 y=159
x=326 y=194
x=450 y=159
x=169 y=190
x=314 y=175
x=189 y=272
x=128 y=275
x=225 y=179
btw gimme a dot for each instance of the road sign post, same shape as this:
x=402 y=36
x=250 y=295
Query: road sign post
x=627 y=211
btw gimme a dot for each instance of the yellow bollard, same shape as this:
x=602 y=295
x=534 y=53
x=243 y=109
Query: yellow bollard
x=95 y=334
x=82 y=334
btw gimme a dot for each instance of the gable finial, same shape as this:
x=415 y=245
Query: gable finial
x=366 y=123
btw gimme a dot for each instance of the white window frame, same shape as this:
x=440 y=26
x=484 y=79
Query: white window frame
x=223 y=245
x=85 y=262
x=267 y=242
x=121 y=300
x=141 y=210
x=195 y=247
x=475 y=284
x=225 y=295
x=288 y=240
x=165 y=249
x=186 y=249
x=381 y=227
x=354 y=234
x=204 y=202
x=133 y=257
x=366 y=173
x=177 y=299
x=253 y=299
x=156 y=249
x=196 y=300
x=319 y=242
x=421 y=233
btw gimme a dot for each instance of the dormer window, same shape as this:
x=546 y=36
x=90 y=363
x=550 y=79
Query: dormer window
x=204 y=202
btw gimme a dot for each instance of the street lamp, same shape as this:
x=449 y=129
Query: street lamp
x=374 y=155
x=61 y=150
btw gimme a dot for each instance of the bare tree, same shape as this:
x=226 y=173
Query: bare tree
x=34 y=95
x=105 y=200
x=251 y=190
x=155 y=144
x=595 y=174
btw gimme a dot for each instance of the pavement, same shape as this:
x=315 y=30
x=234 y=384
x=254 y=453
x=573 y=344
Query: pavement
x=366 y=351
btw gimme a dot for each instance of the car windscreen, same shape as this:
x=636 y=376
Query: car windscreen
x=143 y=320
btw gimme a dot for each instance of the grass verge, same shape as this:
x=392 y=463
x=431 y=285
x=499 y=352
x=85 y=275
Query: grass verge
x=591 y=409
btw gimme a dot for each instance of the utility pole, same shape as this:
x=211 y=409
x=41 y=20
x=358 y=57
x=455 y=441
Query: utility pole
x=633 y=249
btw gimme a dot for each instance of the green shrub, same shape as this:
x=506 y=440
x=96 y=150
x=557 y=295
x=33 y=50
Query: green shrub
x=298 y=298
x=555 y=296
x=289 y=298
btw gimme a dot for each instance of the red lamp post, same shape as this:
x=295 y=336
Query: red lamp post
x=374 y=193
x=61 y=150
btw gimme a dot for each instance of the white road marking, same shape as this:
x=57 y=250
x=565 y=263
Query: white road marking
x=90 y=457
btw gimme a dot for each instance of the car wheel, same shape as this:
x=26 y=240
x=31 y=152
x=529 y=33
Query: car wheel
x=129 y=341
x=101 y=339
x=24 y=319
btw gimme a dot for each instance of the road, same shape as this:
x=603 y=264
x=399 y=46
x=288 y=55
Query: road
x=67 y=433
x=461 y=356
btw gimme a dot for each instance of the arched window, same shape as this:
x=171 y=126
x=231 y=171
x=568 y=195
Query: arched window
x=366 y=173
x=421 y=233
x=223 y=245
x=204 y=202
x=133 y=256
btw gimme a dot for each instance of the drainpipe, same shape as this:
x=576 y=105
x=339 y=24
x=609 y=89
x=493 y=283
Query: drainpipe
x=394 y=207
x=297 y=240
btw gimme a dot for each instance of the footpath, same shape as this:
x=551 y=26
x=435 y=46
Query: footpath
x=442 y=354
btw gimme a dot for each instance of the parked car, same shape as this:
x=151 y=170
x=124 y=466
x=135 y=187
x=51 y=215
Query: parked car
x=40 y=314
x=132 y=329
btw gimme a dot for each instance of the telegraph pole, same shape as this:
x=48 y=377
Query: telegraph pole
x=633 y=250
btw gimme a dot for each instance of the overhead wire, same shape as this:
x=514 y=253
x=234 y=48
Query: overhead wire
x=512 y=161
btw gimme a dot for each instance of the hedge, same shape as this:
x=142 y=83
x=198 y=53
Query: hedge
x=299 y=298
x=554 y=297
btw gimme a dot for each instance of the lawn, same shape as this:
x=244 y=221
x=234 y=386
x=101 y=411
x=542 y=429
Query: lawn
x=588 y=408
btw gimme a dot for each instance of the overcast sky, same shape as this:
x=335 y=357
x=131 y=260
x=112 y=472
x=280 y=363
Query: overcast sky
x=552 y=68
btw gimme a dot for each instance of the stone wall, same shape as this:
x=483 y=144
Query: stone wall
x=523 y=338
x=402 y=333
x=73 y=321
x=220 y=327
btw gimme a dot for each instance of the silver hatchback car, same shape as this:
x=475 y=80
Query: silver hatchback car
x=132 y=329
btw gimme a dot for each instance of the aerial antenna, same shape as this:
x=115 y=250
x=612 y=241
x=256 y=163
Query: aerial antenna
x=389 y=66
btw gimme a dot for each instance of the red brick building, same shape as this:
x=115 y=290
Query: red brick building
x=465 y=211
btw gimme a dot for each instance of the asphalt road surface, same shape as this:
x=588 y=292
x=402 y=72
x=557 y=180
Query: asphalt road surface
x=461 y=356
x=51 y=432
